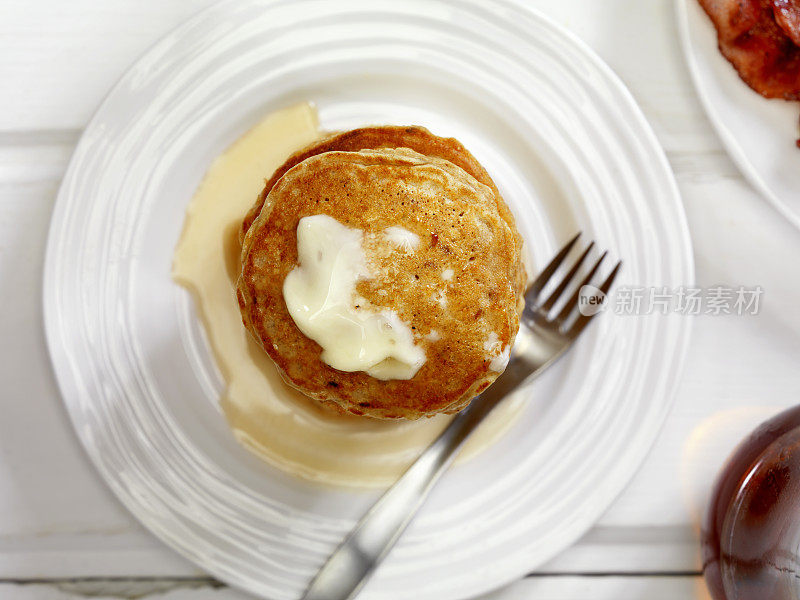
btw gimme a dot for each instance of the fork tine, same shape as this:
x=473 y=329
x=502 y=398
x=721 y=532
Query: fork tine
x=537 y=286
x=548 y=304
x=573 y=300
x=583 y=320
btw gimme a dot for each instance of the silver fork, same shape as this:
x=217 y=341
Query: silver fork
x=541 y=339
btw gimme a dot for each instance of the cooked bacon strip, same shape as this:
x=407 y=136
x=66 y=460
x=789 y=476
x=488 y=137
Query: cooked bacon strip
x=787 y=16
x=749 y=36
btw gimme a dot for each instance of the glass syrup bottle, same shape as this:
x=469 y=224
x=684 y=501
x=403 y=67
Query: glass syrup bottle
x=751 y=533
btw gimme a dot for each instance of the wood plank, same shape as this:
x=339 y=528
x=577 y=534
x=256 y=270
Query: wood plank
x=100 y=589
x=652 y=526
x=92 y=44
x=97 y=42
x=532 y=588
x=603 y=588
x=83 y=530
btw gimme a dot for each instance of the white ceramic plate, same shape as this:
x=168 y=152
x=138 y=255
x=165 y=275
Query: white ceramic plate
x=759 y=134
x=564 y=141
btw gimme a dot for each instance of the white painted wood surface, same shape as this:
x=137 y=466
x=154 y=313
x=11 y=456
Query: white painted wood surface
x=531 y=588
x=62 y=534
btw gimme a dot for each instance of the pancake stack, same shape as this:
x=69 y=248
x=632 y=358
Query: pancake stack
x=459 y=289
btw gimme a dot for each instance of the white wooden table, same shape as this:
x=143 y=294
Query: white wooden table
x=63 y=535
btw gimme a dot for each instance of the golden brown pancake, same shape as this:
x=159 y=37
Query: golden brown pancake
x=460 y=227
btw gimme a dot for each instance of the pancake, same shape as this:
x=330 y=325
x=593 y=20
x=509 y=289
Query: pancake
x=415 y=138
x=458 y=289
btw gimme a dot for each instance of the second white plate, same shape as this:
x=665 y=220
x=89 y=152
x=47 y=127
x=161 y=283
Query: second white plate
x=566 y=144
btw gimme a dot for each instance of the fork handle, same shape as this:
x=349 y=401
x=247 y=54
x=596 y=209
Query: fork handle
x=352 y=563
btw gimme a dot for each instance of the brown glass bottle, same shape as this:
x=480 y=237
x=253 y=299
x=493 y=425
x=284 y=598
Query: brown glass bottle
x=751 y=533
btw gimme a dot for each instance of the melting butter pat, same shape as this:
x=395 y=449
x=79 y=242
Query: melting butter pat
x=320 y=295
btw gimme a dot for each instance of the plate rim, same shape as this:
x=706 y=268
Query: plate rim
x=54 y=339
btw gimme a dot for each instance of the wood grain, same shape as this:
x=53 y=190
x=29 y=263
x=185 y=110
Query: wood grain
x=652 y=587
